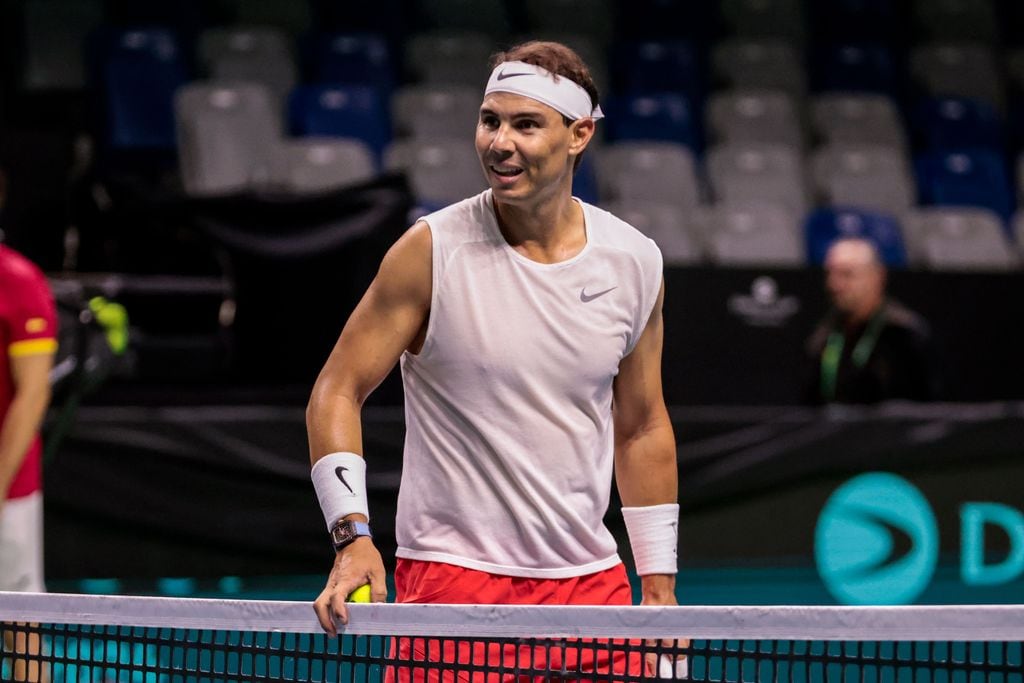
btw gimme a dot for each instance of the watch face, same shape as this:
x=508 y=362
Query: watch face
x=343 y=533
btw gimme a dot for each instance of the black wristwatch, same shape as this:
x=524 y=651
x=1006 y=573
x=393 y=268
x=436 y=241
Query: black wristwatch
x=346 y=531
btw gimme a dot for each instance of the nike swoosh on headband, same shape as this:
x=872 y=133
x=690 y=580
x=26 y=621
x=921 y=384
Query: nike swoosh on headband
x=502 y=75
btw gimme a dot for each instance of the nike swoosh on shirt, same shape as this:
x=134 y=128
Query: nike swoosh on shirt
x=502 y=76
x=584 y=297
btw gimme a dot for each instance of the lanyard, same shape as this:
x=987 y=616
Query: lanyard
x=833 y=353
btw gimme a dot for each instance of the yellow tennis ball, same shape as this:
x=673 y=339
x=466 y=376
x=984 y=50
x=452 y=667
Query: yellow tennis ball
x=361 y=594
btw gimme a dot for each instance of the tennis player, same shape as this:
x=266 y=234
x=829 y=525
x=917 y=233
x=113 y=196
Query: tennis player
x=528 y=325
x=28 y=329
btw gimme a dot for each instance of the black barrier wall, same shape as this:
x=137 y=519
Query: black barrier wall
x=736 y=337
x=214 y=491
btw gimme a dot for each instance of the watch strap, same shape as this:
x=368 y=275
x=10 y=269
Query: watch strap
x=346 y=531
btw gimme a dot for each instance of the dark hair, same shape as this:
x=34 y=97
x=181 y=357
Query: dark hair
x=560 y=60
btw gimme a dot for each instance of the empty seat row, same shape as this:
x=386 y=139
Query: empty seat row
x=873 y=177
x=869 y=176
x=764 y=235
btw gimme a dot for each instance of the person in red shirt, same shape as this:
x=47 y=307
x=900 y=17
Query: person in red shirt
x=28 y=339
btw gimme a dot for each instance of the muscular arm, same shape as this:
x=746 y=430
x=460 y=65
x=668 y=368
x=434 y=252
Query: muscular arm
x=389 y=319
x=645 y=447
x=31 y=375
x=386 y=322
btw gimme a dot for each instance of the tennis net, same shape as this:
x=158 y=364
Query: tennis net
x=81 y=638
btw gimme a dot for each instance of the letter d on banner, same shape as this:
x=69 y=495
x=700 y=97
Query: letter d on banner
x=973 y=518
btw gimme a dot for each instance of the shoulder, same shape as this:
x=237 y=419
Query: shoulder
x=609 y=231
x=17 y=270
x=464 y=219
x=899 y=317
x=20 y=276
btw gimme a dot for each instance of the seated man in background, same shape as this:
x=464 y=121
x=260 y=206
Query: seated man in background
x=868 y=348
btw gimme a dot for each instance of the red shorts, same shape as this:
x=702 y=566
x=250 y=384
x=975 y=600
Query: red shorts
x=446 y=661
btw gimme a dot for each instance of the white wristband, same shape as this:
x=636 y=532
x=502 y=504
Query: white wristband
x=654 y=537
x=340 y=483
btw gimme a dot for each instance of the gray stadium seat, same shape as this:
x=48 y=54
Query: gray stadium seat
x=958 y=69
x=667 y=224
x=635 y=172
x=435 y=110
x=313 y=165
x=440 y=171
x=765 y=19
x=226 y=133
x=586 y=17
x=873 y=177
x=754 y=116
x=942 y=238
x=55 y=34
x=254 y=54
x=749 y=63
x=755 y=235
x=450 y=57
x=741 y=175
x=857 y=118
x=956 y=20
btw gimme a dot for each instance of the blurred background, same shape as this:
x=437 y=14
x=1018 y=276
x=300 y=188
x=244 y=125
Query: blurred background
x=226 y=175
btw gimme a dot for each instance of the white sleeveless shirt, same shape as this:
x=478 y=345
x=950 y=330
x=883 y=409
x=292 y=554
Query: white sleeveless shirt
x=508 y=406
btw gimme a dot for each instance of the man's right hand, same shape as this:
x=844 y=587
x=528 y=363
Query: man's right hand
x=357 y=564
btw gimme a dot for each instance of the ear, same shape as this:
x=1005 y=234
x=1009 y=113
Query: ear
x=581 y=132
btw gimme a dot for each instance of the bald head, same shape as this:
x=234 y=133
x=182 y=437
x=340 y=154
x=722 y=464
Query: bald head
x=855 y=278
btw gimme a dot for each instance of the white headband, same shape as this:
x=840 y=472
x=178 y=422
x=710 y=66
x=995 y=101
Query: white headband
x=558 y=92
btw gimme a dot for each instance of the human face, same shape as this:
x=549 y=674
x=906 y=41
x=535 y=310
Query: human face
x=854 y=279
x=525 y=148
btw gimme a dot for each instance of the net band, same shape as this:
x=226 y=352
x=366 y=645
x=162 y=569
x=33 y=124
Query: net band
x=905 y=623
x=64 y=638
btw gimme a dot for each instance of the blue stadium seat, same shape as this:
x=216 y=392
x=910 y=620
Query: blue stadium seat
x=137 y=72
x=341 y=111
x=655 y=66
x=350 y=58
x=825 y=226
x=957 y=122
x=666 y=116
x=856 y=67
x=965 y=177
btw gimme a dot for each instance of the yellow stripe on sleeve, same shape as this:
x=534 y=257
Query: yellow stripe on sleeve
x=31 y=347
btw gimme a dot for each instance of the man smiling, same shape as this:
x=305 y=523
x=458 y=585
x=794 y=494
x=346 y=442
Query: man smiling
x=529 y=329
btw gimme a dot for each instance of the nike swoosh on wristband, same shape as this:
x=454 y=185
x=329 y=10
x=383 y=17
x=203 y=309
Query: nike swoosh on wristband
x=502 y=76
x=340 y=472
x=584 y=297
